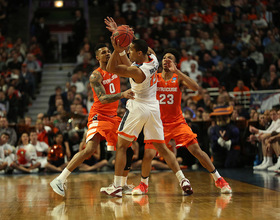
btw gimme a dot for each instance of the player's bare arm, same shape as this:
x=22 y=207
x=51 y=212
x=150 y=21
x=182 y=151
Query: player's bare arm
x=95 y=83
x=190 y=83
x=123 y=70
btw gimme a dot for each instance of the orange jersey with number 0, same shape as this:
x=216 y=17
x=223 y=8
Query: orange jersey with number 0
x=111 y=83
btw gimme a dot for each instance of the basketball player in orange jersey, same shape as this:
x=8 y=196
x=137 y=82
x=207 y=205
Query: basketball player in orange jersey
x=102 y=120
x=142 y=112
x=175 y=126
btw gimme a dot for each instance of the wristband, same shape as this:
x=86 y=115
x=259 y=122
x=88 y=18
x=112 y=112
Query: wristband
x=122 y=53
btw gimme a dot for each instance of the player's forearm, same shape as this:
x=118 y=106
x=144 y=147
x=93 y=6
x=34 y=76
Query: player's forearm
x=123 y=59
x=105 y=99
x=113 y=63
x=187 y=80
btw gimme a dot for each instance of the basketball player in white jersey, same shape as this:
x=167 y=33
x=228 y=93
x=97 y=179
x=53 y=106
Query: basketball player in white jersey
x=142 y=112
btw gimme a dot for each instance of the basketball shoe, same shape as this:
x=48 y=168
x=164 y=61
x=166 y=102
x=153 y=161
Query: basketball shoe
x=112 y=190
x=186 y=186
x=127 y=189
x=141 y=189
x=58 y=187
x=223 y=185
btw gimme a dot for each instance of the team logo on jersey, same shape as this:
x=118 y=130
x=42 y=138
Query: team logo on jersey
x=108 y=81
x=94 y=117
x=174 y=79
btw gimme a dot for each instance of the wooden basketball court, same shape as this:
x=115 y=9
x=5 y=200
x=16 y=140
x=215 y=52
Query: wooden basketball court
x=31 y=197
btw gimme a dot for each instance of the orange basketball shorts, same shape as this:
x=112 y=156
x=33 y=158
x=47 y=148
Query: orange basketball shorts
x=181 y=133
x=107 y=127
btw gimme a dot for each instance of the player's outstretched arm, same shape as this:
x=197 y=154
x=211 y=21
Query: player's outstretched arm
x=190 y=83
x=95 y=82
x=123 y=70
x=110 y=24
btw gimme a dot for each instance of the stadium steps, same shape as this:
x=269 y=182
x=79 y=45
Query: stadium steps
x=96 y=22
x=53 y=75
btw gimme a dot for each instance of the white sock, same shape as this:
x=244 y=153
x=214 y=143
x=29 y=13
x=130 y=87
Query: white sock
x=269 y=160
x=145 y=180
x=264 y=160
x=118 y=181
x=124 y=181
x=180 y=176
x=64 y=174
x=215 y=174
x=278 y=161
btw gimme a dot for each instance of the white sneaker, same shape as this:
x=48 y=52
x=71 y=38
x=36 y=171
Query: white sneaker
x=112 y=190
x=127 y=189
x=258 y=166
x=186 y=186
x=265 y=166
x=274 y=167
x=58 y=187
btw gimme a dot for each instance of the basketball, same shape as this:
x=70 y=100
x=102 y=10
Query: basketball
x=124 y=35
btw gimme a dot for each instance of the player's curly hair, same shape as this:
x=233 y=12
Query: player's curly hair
x=174 y=52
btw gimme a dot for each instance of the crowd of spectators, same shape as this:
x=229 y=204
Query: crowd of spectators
x=229 y=45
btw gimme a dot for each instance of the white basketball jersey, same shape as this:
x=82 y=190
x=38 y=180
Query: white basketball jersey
x=146 y=91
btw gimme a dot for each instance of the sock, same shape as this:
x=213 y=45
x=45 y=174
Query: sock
x=278 y=160
x=264 y=160
x=269 y=160
x=64 y=174
x=117 y=181
x=180 y=176
x=124 y=181
x=145 y=180
x=215 y=174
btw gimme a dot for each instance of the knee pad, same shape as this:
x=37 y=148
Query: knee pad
x=129 y=155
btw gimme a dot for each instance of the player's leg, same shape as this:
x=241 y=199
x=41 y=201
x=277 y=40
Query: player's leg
x=142 y=188
x=115 y=189
x=170 y=159
x=58 y=183
x=127 y=189
x=203 y=158
x=205 y=161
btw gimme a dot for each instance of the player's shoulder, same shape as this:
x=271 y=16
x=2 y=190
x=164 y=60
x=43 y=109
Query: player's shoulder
x=95 y=75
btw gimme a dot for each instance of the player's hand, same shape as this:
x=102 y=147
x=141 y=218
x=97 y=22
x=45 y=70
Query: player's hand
x=116 y=45
x=111 y=24
x=170 y=65
x=128 y=94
